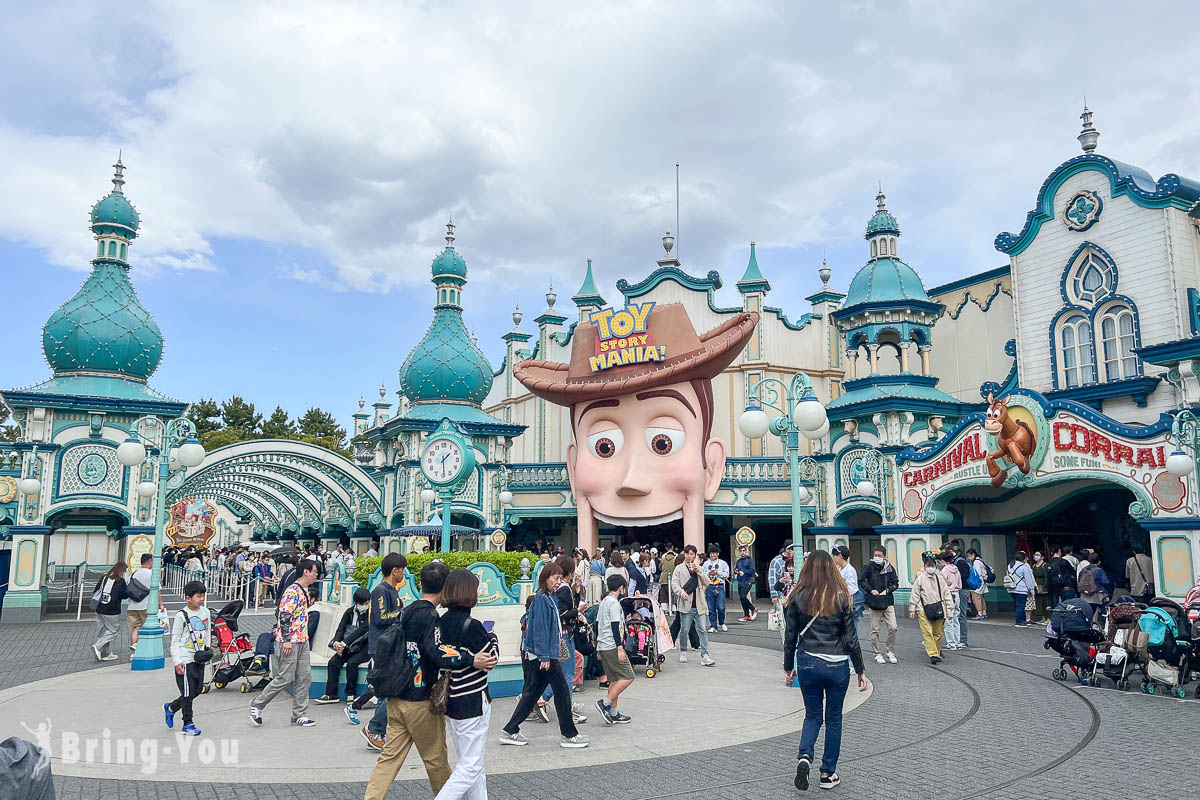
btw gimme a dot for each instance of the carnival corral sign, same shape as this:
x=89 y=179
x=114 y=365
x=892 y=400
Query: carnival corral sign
x=1024 y=441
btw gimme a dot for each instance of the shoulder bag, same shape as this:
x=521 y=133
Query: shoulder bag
x=933 y=611
x=439 y=693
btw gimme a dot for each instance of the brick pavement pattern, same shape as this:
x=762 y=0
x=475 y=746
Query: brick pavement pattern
x=978 y=726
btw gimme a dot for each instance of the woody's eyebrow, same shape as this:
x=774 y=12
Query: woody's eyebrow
x=611 y=402
x=667 y=393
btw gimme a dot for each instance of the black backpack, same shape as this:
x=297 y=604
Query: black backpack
x=392 y=670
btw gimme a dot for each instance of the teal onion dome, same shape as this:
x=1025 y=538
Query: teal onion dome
x=114 y=214
x=882 y=222
x=446 y=365
x=104 y=328
x=449 y=263
x=885 y=280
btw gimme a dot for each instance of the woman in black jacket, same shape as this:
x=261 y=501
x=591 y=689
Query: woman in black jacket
x=820 y=637
x=108 y=611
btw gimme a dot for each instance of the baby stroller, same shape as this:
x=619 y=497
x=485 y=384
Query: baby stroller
x=1113 y=657
x=235 y=650
x=1071 y=635
x=1168 y=647
x=641 y=633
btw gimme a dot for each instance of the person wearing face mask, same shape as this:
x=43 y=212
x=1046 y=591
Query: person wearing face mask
x=877 y=583
x=350 y=649
x=931 y=604
x=1041 y=582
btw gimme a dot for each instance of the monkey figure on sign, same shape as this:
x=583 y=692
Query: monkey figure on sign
x=1013 y=437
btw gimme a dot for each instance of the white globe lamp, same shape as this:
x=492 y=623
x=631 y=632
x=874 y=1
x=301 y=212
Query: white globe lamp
x=428 y=495
x=30 y=486
x=131 y=452
x=753 y=423
x=819 y=433
x=146 y=489
x=865 y=488
x=1179 y=464
x=191 y=453
x=809 y=414
x=803 y=495
x=506 y=497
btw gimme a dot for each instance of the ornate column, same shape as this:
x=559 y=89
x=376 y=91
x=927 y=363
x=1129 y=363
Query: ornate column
x=924 y=351
x=874 y=359
x=852 y=362
x=904 y=356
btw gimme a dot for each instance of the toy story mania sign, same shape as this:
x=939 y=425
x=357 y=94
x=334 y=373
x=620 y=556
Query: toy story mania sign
x=622 y=337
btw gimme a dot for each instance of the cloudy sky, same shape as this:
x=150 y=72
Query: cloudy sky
x=294 y=163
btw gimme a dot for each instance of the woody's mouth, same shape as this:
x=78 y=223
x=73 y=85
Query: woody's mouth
x=638 y=522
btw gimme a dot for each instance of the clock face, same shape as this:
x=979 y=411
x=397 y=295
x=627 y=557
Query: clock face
x=443 y=460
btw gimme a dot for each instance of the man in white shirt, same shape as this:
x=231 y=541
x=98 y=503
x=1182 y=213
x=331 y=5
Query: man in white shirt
x=135 y=612
x=717 y=573
x=841 y=559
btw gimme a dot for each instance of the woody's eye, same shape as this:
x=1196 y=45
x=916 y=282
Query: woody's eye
x=606 y=444
x=664 y=441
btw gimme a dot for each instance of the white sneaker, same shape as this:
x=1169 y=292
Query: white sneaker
x=712 y=630
x=579 y=740
x=109 y=657
x=513 y=738
x=879 y=658
x=724 y=627
x=683 y=658
x=579 y=718
x=707 y=661
x=891 y=657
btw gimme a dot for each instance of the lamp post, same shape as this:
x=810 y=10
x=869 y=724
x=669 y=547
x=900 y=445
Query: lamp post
x=178 y=435
x=801 y=414
x=31 y=484
x=1185 y=431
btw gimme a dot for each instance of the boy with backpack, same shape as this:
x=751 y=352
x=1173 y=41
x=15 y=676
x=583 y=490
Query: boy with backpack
x=190 y=653
x=986 y=575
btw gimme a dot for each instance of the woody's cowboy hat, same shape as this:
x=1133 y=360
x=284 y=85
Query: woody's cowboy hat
x=688 y=357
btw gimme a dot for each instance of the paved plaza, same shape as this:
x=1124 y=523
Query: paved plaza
x=987 y=723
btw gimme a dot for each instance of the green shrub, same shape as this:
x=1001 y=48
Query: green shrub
x=508 y=563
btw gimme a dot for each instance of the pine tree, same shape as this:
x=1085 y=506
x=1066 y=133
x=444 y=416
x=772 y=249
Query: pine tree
x=204 y=414
x=319 y=424
x=278 y=426
x=238 y=415
x=8 y=433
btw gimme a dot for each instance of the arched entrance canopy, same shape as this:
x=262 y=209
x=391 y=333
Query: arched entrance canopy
x=287 y=485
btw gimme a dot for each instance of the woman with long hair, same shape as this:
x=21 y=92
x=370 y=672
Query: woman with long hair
x=541 y=651
x=111 y=589
x=469 y=707
x=567 y=601
x=820 y=638
x=616 y=566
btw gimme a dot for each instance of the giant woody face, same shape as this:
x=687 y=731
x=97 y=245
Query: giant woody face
x=645 y=458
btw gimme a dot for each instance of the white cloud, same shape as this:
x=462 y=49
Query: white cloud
x=551 y=130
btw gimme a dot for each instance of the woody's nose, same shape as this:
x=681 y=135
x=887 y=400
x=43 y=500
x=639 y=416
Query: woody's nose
x=634 y=483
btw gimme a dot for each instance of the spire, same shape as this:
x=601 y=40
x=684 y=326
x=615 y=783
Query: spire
x=882 y=222
x=1089 y=136
x=880 y=204
x=450 y=232
x=118 y=179
x=588 y=296
x=753 y=280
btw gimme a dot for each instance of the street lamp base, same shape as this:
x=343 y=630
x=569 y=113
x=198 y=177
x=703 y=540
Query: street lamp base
x=149 y=652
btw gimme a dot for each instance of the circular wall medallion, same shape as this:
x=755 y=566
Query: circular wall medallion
x=1082 y=211
x=1168 y=491
x=8 y=489
x=92 y=469
x=912 y=504
x=499 y=537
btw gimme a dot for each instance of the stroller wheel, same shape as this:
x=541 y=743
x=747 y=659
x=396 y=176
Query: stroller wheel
x=650 y=673
x=1149 y=688
x=245 y=688
x=218 y=684
x=1180 y=692
x=204 y=689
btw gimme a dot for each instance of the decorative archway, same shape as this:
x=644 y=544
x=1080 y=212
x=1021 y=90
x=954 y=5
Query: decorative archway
x=288 y=485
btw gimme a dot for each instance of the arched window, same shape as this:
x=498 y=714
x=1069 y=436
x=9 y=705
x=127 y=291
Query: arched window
x=99 y=249
x=1090 y=278
x=1117 y=343
x=883 y=248
x=112 y=249
x=124 y=249
x=874 y=248
x=1078 y=352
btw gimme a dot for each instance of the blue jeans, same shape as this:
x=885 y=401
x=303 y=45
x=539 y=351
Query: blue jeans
x=568 y=670
x=686 y=620
x=1019 y=607
x=715 y=595
x=964 y=597
x=859 y=605
x=824 y=684
x=378 y=723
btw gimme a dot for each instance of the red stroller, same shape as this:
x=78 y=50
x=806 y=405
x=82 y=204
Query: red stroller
x=236 y=649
